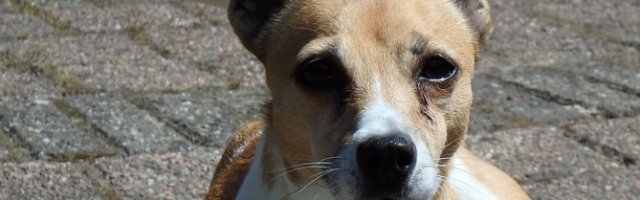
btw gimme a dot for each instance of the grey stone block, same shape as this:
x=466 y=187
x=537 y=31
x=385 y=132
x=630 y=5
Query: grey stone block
x=572 y=89
x=121 y=16
x=107 y=3
x=168 y=176
x=623 y=135
x=213 y=14
x=551 y=165
x=248 y=102
x=599 y=183
x=85 y=49
x=49 y=133
x=482 y=121
x=13 y=84
x=519 y=107
x=110 y=62
x=615 y=77
x=590 y=17
x=215 y=49
x=18 y=26
x=199 y=114
x=131 y=127
x=45 y=180
x=521 y=39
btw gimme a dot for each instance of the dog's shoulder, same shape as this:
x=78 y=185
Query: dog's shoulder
x=235 y=162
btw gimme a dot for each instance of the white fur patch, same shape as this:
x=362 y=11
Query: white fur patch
x=379 y=119
x=465 y=185
x=252 y=185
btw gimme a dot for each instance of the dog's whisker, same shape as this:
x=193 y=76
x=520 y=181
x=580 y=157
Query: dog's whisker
x=472 y=186
x=302 y=165
x=317 y=177
x=296 y=169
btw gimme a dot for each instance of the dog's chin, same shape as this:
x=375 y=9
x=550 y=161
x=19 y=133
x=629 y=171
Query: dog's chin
x=345 y=186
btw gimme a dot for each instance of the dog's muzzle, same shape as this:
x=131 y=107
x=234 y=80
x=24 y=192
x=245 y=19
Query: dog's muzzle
x=385 y=164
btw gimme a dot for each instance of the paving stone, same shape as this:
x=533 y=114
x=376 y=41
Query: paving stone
x=168 y=176
x=49 y=133
x=45 y=180
x=620 y=134
x=543 y=158
x=109 y=62
x=18 y=26
x=600 y=183
x=213 y=14
x=131 y=127
x=121 y=16
x=215 y=49
x=209 y=119
x=106 y=3
x=563 y=85
x=247 y=102
x=13 y=83
x=596 y=16
x=517 y=106
x=613 y=75
x=482 y=121
x=520 y=39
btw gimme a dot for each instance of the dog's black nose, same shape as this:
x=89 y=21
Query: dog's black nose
x=385 y=163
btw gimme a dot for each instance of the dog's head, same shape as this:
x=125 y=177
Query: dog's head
x=377 y=91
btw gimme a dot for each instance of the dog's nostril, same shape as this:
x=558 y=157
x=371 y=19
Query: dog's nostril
x=404 y=159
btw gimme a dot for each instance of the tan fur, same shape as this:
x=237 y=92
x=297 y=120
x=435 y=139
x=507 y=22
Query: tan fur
x=378 y=42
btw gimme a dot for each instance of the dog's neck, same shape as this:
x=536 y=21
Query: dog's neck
x=256 y=185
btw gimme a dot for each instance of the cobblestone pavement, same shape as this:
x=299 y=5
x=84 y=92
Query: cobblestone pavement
x=114 y=99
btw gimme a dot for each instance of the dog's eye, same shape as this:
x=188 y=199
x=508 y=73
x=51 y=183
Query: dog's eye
x=437 y=70
x=321 y=74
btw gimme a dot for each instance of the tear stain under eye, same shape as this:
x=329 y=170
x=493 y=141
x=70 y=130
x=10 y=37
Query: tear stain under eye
x=423 y=98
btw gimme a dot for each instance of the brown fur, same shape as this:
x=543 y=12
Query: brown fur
x=235 y=162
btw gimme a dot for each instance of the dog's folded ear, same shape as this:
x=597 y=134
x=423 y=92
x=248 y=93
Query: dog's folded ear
x=249 y=19
x=479 y=17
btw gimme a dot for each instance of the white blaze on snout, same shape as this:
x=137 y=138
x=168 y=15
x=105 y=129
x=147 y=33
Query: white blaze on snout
x=380 y=119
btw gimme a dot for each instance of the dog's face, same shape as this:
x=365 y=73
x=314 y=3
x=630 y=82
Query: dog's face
x=377 y=92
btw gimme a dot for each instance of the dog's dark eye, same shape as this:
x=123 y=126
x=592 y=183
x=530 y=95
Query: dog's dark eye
x=321 y=74
x=437 y=70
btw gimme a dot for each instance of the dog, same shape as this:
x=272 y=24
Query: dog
x=370 y=99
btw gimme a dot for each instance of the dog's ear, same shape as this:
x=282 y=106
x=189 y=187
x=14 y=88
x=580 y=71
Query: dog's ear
x=249 y=19
x=479 y=17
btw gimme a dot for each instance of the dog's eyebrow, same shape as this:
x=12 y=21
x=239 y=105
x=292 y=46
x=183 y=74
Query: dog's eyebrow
x=323 y=49
x=419 y=44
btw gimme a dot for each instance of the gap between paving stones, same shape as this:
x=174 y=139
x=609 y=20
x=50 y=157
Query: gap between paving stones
x=142 y=38
x=601 y=113
x=63 y=28
x=602 y=149
x=26 y=65
x=14 y=151
x=181 y=128
x=94 y=174
x=615 y=86
x=80 y=120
